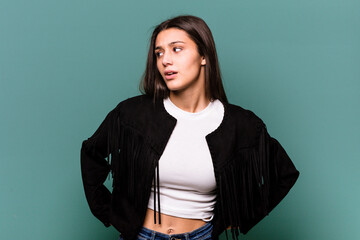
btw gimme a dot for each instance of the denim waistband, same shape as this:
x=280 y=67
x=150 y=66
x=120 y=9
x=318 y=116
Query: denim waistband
x=203 y=232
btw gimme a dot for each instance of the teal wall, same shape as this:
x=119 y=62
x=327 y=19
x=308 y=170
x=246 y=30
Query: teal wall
x=65 y=64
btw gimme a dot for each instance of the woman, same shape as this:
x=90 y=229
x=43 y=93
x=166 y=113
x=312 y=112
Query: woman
x=185 y=163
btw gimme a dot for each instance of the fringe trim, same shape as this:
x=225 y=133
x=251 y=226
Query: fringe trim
x=156 y=182
x=130 y=158
x=244 y=185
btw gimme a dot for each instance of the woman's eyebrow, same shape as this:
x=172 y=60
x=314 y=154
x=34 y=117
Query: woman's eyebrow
x=172 y=43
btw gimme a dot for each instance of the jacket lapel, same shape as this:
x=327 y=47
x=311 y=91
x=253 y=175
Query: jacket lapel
x=160 y=127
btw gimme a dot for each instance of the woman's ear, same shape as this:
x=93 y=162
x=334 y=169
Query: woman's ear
x=203 y=61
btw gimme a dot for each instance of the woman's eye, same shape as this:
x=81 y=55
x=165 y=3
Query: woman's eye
x=176 y=49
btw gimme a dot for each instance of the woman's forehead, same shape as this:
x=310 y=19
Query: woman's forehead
x=171 y=36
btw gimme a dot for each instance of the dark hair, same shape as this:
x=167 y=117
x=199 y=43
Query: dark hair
x=152 y=83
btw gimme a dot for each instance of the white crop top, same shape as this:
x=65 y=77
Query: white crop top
x=186 y=174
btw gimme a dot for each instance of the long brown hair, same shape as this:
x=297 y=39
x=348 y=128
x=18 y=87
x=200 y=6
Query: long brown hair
x=152 y=83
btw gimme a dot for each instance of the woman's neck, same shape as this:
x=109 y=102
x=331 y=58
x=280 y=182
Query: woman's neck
x=189 y=102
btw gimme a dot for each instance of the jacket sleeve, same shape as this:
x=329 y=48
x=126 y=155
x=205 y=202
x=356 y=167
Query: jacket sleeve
x=284 y=175
x=95 y=168
x=279 y=174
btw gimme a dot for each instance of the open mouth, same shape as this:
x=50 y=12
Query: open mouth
x=170 y=73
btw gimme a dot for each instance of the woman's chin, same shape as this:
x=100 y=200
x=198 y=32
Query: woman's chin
x=174 y=87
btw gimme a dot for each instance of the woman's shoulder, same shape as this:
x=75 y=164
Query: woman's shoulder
x=136 y=108
x=245 y=124
x=141 y=98
x=244 y=117
x=133 y=103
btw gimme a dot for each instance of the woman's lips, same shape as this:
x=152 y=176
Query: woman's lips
x=172 y=76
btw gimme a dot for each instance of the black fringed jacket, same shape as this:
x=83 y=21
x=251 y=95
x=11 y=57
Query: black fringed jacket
x=253 y=172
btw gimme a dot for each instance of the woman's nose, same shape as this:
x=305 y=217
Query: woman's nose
x=167 y=58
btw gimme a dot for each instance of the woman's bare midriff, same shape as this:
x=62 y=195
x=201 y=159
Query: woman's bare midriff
x=170 y=224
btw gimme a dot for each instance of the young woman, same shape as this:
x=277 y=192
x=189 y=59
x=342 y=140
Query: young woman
x=186 y=164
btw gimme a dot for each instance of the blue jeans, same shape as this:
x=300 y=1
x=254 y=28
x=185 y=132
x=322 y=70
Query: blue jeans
x=201 y=233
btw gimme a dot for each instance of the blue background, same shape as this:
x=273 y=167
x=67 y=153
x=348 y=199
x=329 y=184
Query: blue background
x=65 y=64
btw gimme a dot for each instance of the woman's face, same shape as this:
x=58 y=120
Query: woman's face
x=179 y=62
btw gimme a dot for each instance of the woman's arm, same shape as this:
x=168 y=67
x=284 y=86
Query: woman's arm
x=281 y=175
x=95 y=168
